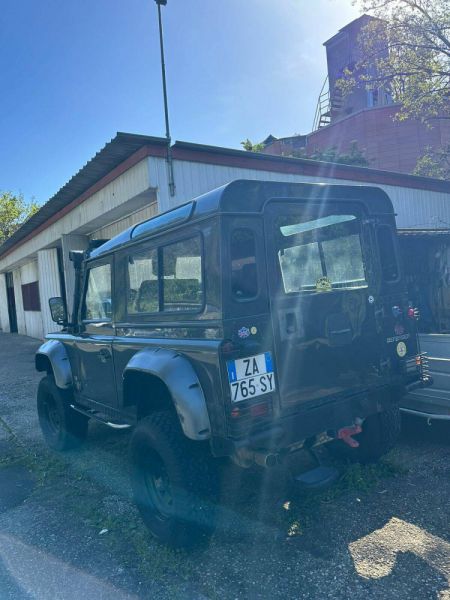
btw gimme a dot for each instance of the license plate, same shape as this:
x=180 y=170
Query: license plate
x=250 y=377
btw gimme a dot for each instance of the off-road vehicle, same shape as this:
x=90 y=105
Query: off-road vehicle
x=259 y=320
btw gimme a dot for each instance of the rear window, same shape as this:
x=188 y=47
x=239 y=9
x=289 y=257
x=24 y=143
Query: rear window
x=166 y=279
x=388 y=256
x=319 y=253
x=244 y=277
x=182 y=276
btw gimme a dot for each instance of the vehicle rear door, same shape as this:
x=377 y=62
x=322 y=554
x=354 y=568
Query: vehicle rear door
x=319 y=278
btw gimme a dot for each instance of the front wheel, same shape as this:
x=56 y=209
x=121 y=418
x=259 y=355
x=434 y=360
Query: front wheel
x=172 y=480
x=62 y=427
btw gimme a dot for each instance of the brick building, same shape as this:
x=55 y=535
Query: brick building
x=364 y=116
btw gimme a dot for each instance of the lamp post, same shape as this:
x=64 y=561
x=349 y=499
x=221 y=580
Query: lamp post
x=166 y=107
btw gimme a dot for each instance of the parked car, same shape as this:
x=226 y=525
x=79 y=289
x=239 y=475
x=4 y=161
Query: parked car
x=432 y=402
x=259 y=320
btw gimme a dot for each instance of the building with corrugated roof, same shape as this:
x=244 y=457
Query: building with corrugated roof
x=127 y=182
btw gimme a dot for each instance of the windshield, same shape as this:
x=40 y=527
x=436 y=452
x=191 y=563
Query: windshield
x=319 y=254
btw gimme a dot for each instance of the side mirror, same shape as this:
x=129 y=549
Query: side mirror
x=58 y=310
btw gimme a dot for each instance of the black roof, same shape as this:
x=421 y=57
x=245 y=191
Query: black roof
x=248 y=196
x=121 y=147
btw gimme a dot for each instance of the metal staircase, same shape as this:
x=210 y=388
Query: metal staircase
x=327 y=105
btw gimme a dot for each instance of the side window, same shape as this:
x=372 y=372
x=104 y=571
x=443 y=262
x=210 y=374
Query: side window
x=244 y=276
x=388 y=256
x=182 y=276
x=97 y=302
x=143 y=287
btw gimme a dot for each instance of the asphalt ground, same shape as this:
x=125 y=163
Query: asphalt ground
x=69 y=529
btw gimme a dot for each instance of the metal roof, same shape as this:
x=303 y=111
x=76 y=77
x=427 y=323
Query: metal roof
x=424 y=232
x=121 y=147
x=248 y=196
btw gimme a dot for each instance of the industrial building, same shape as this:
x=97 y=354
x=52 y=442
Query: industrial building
x=127 y=182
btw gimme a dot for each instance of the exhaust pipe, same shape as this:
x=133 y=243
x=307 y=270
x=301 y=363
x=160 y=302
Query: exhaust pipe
x=245 y=457
x=266 y=459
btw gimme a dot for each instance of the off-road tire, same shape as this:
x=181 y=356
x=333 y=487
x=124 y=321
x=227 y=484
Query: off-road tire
x=160 y=451
x=62 y=427
x=379 y=435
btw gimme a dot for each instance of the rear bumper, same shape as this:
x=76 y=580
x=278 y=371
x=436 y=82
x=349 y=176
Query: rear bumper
x=421 y=383
x=311 y=421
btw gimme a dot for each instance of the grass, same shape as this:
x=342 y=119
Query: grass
x=70 y=479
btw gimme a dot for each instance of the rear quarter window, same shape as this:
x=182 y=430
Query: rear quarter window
x=388 y=255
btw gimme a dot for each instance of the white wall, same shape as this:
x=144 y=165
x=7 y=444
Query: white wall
x=21 y=327
x=416 y=209
x=4 y=315
x=109 y=200
x=109 y=231
x=32 y=319
x=49 y=285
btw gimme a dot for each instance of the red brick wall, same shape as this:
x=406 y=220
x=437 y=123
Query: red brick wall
x=388 y=144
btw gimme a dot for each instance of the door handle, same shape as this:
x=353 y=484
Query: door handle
x=291 y=323
x=104 y=354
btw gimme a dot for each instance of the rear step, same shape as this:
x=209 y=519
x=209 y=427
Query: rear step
x=98 y=416
x=320 y=477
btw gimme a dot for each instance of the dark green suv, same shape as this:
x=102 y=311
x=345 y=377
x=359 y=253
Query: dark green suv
x=259 y=320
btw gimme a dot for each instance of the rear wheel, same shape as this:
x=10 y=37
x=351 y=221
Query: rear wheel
x=173 y=480
x=62 y=427
x=379 y=435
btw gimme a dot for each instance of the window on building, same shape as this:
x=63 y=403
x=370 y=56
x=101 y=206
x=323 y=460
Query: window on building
x=244 y=276
x=143 y=287
x=182 y=276
x=98 y=303
x=30 y=296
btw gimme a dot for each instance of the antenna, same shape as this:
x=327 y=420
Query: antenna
x=166 y=107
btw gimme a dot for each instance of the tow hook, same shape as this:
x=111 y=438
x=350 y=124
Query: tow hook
x=345 y=434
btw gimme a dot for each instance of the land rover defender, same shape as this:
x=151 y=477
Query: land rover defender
x=256 y=321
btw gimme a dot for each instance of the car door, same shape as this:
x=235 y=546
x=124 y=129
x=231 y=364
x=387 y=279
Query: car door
x=96 y=381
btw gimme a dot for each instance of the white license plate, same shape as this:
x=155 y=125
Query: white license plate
x=250 y=377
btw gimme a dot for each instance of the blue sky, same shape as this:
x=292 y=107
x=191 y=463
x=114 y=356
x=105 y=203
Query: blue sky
x=74 y=72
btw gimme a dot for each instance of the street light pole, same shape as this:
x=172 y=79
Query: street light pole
x=166 y=106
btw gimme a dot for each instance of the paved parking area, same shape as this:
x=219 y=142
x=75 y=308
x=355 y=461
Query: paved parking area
x=68 y=528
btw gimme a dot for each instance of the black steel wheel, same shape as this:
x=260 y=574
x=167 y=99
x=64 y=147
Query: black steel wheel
x=62 y=427
x=173 y=481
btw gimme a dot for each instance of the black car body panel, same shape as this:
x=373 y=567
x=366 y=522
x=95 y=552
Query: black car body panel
x=286 y=300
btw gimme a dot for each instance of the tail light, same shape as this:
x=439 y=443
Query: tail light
x=413 y=313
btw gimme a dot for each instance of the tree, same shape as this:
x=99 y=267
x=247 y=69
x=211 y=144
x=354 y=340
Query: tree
x=434 y=163
x=405 y=50
x=354 y=156
x=251 y=147
x=14 y=211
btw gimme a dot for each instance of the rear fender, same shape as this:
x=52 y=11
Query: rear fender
x=183 y=384
x=54 y=354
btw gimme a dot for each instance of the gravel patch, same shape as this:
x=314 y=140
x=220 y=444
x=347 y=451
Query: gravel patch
x=381 y=532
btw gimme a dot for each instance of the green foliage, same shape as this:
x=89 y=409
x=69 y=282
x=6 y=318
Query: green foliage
x=251 y=147
x=13 y=212
x=355 y=156
x=434 y=163
x=406 y=52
